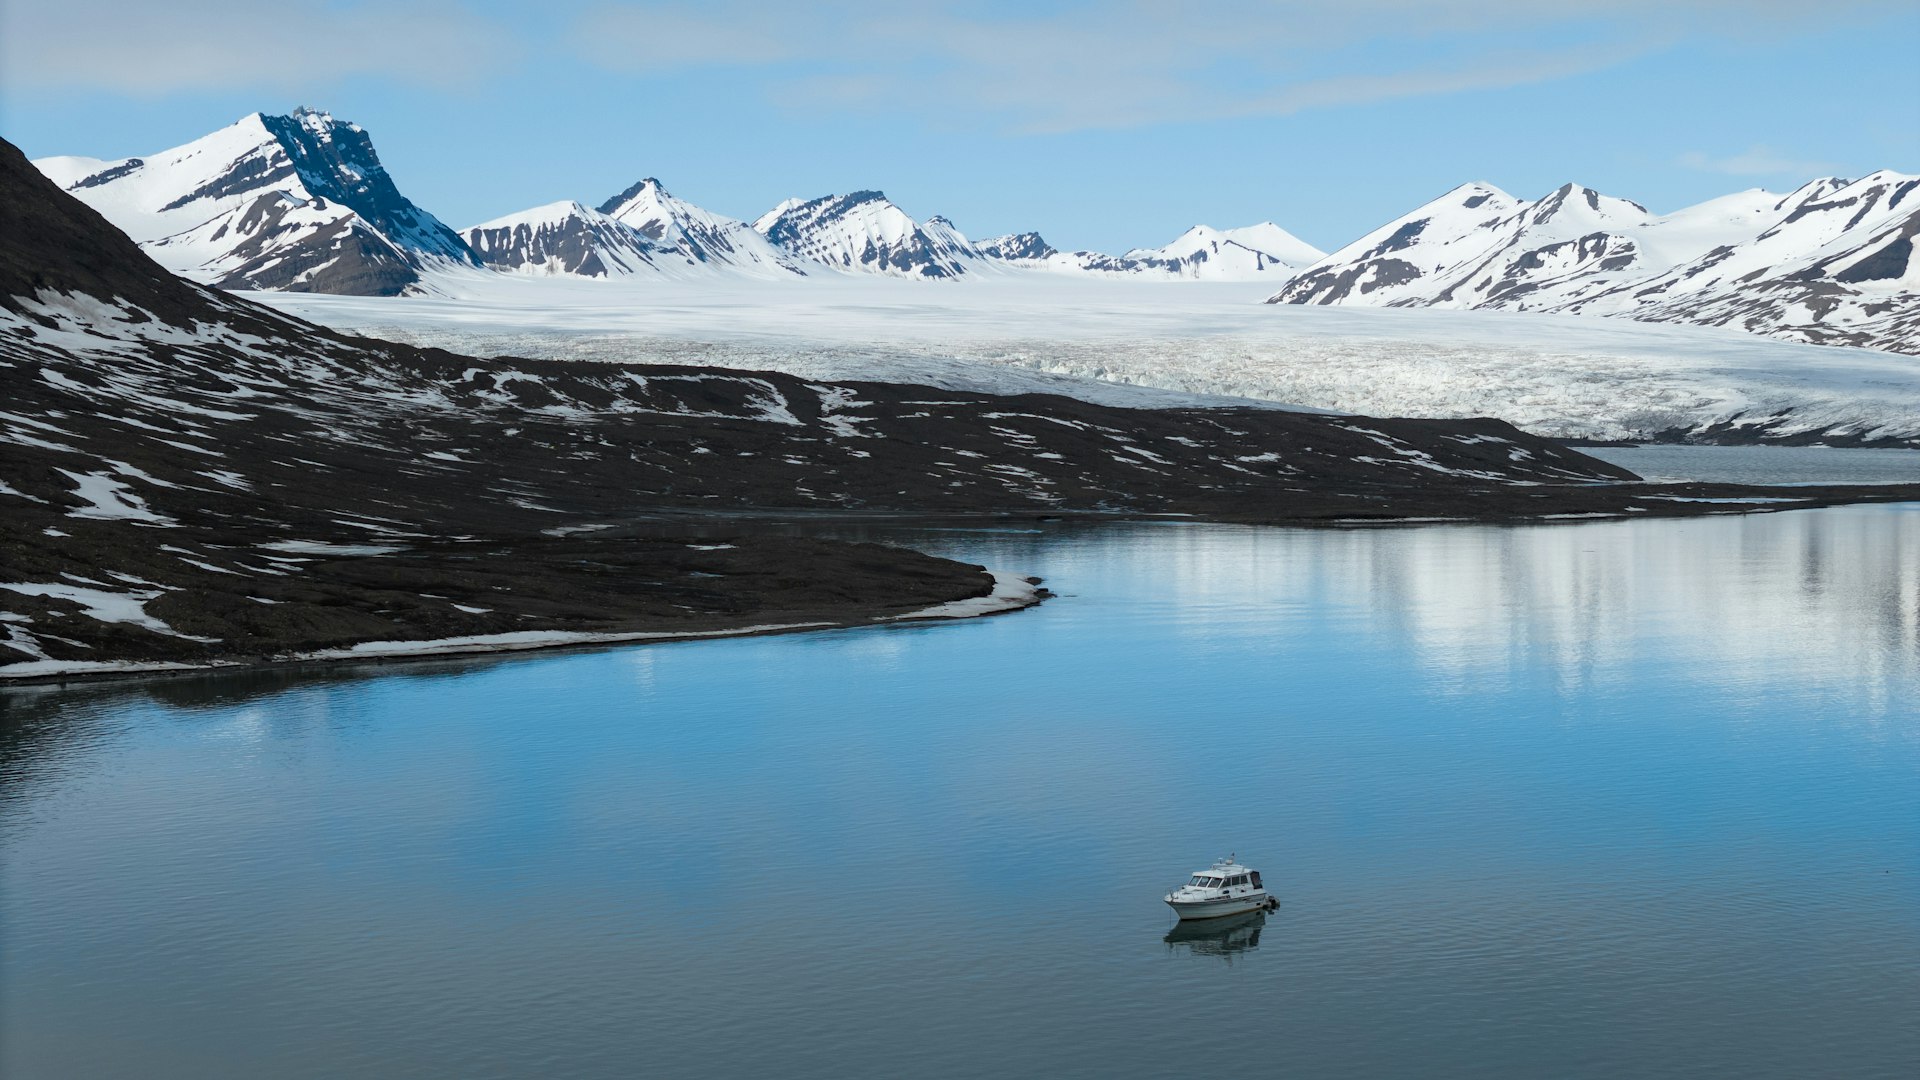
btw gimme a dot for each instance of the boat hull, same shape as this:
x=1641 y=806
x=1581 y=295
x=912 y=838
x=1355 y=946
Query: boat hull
x=1219 y=907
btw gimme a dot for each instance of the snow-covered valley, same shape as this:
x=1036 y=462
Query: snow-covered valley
x=1133 y=342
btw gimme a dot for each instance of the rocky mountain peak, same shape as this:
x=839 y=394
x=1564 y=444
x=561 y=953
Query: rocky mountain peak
x=647 y=188
x=336 y=160
x=1016 y=246
x=864 y=231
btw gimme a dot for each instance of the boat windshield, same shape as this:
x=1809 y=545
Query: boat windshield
x=1199 y=880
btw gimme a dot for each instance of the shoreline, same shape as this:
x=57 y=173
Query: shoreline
x=1010 y=592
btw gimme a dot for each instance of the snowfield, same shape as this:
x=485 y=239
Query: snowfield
x=1145 y=343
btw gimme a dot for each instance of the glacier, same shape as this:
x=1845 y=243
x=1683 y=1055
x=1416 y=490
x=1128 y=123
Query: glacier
x=1146 y=343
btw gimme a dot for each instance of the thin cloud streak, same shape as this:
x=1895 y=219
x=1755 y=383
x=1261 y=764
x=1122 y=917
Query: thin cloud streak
x=150 y=49
x=1041 y=67
x=1756 y=161
x=1123 y=65
x=1487 y=73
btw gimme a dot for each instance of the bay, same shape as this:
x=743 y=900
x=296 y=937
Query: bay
x=1583 y=799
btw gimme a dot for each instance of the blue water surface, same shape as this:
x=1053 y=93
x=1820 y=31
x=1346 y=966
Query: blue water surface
x=1582 y=800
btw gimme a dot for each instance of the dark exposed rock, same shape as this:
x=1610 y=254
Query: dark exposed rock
x=249 y=174
x=110 y=174
x=336 y=161
x=1888 y=262
x=578 y=241
x=626 y=196
x=1026 y=245
x=1403 y=237
x=1330 y=285
x=50 y=242
x=344 y=257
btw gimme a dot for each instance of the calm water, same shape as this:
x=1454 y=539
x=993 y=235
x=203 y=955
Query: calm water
x=1588 y=800
x=1765 y=464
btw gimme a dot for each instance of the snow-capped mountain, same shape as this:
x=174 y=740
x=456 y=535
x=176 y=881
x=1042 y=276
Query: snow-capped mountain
x=1016 y=247
x=1829 y=262
x=696 y=237
x=1248 y=253
x=1256 y=252
x=299 y=203
x=1474 y=240
x=563 y=238
x=1835 y=264
x=864 y=231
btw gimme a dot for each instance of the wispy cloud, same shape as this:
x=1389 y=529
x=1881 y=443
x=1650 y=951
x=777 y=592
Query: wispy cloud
x=1034 y=66
x=1050 y=67
x=1756 y=161
x=146 y=48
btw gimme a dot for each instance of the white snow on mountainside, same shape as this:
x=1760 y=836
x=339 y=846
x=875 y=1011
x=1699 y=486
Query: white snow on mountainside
x=697 y=237
x=1838 y=266
x=1245 y=254
x=297 y=202
x=1275 y=242
x=1830 y=262
x=1094 y=337
x=865 y=231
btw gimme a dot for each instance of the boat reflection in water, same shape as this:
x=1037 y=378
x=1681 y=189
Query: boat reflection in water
x=1218 y=937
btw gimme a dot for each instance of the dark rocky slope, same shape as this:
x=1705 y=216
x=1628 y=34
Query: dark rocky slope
x=189 y=477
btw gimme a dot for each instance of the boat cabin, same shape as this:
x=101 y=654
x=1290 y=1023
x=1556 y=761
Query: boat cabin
x=1225 y=888
x=1225 y=877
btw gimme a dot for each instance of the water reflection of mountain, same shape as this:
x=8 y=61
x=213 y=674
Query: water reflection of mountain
x=1830 y=596
x=1822 y=595
x=1218 y=937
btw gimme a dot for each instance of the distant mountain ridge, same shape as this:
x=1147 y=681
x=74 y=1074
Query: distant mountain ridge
x=1829 y=263
x=301 y=203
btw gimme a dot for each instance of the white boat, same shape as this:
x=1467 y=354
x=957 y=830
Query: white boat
x=1225 y=888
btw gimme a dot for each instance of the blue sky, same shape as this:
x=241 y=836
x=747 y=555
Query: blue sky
x=1101 y=125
